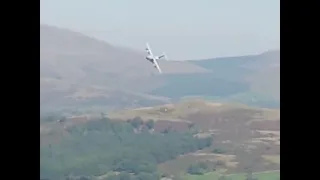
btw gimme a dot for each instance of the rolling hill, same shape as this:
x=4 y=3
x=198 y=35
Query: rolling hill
x=73 y=63
x=70 y=61
x=78 y=56
x=248 y=136
x=243 y=137
x=253 y=80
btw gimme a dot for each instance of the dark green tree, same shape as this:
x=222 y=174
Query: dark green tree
x=136 y=122
x=223 y=177
x=150 y=124
x=124 y=176
x=219 y=151
x=147 y=176
x=249 y=175
x=196 y=169
x=191 y=125
x=113 y=146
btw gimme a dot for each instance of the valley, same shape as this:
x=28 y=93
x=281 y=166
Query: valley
x=72 y=63
x=106 y=114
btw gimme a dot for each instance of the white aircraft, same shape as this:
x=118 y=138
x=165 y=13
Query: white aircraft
x=153 y=59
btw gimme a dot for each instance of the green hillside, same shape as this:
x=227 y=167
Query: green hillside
x=253 y=80
x=84 y=72
x=230 y=68
x=103 y=146
x=204 y=84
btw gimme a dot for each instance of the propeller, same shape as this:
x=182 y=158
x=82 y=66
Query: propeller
x=165 y=56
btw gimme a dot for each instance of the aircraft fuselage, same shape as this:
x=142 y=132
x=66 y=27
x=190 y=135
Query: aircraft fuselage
x=149 y=58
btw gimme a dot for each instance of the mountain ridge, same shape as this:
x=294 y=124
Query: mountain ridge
x=71 y=62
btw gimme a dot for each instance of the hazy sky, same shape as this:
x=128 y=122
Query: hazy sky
x=184 y=29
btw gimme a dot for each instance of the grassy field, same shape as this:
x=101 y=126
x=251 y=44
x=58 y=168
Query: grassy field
x=185 y=108
x=248 y=98
x=268 y=175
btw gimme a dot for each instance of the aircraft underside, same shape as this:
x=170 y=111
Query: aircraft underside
x=151 y=60
x=154 y=65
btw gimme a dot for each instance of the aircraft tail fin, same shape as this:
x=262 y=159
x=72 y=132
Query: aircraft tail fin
x=164 y=55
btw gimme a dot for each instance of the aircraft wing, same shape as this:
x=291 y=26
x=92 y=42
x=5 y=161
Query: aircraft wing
x=157 y=65
x=149 y=49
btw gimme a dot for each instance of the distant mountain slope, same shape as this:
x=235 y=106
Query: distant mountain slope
x=74 y=54
x=267 y=82
x=70 y=60
x=74 y=57
x=252 y=79
x=261 y=72
x=200 y=84
x=240 y=67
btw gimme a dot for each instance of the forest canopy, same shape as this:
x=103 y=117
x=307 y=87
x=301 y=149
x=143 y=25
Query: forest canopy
x=102 y=147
